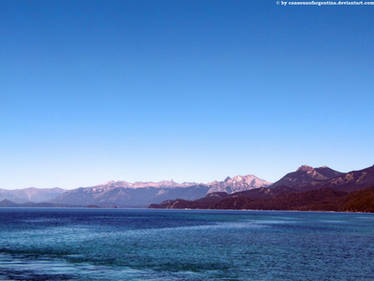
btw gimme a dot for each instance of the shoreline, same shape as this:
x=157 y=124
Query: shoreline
x=187 y=209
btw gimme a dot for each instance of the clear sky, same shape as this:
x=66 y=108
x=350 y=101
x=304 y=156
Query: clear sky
x=92 y=91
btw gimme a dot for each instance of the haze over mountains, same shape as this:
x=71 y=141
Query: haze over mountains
x=126 y=194
x=30 y=194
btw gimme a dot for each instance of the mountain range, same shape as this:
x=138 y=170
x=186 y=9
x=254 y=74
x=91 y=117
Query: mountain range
x=126 y=194
x=305 y=189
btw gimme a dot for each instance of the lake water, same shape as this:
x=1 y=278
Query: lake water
x=141 y=244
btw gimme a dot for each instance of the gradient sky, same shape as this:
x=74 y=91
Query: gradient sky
x=92 y=91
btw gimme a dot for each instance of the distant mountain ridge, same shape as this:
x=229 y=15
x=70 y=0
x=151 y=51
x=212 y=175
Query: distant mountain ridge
x=113 y=196
x=31 y=194
x=141 y=194
x=126 y=194
x=140 y=184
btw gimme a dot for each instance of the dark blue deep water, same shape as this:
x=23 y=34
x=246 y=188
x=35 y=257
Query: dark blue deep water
x=140 y=244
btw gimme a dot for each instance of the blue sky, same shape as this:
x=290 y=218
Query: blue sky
x=92 y=91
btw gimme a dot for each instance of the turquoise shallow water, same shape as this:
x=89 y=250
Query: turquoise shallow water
x=142 y=244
